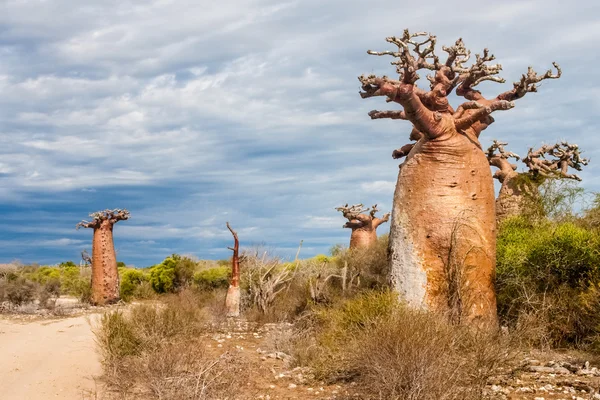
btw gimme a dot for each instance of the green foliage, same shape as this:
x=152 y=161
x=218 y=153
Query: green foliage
x=117 y=337
x=131 y=279
x=213 y=278
x=173 y=274
x=550 y=269
x=67 y=264
x=224 y=262
x=322 y=258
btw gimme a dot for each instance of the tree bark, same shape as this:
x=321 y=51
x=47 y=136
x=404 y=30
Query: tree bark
x=105 y=275
x=232 y=300
x=363 y=237
x=443 y=232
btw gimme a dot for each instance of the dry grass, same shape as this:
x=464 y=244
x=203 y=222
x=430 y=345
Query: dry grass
x=397 y=353
x=158 y=352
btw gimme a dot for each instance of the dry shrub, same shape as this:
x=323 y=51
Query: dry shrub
x=370 y=263
x=156 y=351
x=20 y=291
x=394 y=352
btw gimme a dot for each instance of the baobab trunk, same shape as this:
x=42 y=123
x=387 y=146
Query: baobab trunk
x=232 y=300
x=364 y=226
x=443 y=228
x=105 y=275
x=443 y=238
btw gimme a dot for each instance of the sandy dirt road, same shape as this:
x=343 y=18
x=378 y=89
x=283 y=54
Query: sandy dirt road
x=48 y=359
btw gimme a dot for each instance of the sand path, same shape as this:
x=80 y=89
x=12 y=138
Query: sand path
x=48 y=359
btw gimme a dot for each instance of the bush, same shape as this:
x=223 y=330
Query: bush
x=130 y=279
x=20 y=291
x=174 y=273
x=155 y=350
x=550 y=270
x=50 y=290
x=213 y=278
x=395 y=352
x=370 y=264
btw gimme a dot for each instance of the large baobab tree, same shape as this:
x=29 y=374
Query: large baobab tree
x=105 y=276
x=443 y=230
x=232 y=300
x=363 y=223
x=520 y=187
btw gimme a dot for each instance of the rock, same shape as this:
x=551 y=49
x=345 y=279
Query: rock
x=292 y=386
x=549 y=370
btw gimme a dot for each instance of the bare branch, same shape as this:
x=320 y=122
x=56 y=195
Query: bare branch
x=375 y=114
x=481 y=112
x=564 y=155
x=528 y=83
x=498 y=157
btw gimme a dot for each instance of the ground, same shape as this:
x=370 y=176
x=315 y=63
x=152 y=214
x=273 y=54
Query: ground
x=44 y=357
x=48 y=359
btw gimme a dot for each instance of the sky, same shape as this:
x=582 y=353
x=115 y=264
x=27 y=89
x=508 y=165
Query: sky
x=194 y=113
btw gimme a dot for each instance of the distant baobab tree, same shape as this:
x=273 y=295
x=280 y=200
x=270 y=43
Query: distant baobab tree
x=105 y=276
x=232 y=300
x=363 y=223
x=443 y=228
x=547 y=162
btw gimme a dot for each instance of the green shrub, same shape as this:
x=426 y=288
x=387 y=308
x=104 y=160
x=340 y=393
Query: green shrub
x=174 y=273
x=322 y=258
x=130 y=279
x=213 y=278
x=551 y=270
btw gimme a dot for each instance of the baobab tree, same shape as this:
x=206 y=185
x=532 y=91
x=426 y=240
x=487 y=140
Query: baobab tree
x=443 y=230
x=105 y=276
x=520 y=187
x=232 y=300
x=363 y=223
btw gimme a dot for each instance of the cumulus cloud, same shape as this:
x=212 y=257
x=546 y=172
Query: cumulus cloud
x=191 y=115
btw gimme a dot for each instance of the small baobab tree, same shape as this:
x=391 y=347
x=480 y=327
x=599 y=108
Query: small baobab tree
x=363 y=223
x=519 y=188
x=443 y=223
x=105 y=276
x=232 y=300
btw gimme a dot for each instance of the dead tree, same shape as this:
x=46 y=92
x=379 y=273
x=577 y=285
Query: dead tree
x=105 y=276
x=520 y=189
x=232 y=301
x=363 y=223
x=445 y=180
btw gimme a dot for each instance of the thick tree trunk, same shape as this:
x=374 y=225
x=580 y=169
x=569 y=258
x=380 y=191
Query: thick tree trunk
x=443 y=239
x=517 y=196
x=510 y=201
x=105 y=276
x=363 y=237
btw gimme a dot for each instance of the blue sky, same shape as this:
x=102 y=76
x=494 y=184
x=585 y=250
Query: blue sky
x=191 y=114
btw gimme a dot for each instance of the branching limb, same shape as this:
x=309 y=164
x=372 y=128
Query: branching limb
x=402 y=151
x=480 y=112
x=528 y=83
x=383 y=219
x=498 y=158
x=113 y=216
x=375 y=114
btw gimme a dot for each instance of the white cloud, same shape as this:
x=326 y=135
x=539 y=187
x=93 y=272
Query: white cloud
x=191 y=114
